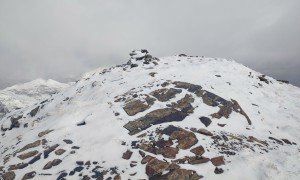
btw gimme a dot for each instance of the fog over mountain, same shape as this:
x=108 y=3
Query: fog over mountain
x=63 y=39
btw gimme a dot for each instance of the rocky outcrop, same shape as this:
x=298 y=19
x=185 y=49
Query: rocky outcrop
x=155 y=117
x=50 y=164
x=157 y=169
x=30 y=145
x=164 y=94
x=218 y=161
x=135 y=106
x=28 y=155
x=184 y=104
x=127 y=155
x=198 y=150
x=10 y=175
x=186 y=139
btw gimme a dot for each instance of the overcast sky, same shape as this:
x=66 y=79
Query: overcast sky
x=62 y=39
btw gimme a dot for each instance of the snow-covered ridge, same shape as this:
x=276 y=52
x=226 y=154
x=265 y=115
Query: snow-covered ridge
x=179 y=116
x=23 y=95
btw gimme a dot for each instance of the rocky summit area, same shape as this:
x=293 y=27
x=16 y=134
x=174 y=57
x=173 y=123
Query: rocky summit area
x=177 y=117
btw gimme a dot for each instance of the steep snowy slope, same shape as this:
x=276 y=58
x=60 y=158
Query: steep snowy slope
x=23 y=95
x=180 y=116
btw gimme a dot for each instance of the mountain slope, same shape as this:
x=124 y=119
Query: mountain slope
x=179 y=116
x=23 y=95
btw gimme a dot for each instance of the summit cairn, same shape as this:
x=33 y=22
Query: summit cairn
x=140 y=57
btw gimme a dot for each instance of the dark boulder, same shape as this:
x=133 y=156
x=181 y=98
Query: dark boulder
x=29 y=175
x=34 y=111
x=205 y=120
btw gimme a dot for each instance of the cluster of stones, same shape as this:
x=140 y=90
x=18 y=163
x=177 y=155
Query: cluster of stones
x=176 y=111
x=97 y=171
x=230 y=144
x=179 y=139
x=30 y=154
x=144 y=57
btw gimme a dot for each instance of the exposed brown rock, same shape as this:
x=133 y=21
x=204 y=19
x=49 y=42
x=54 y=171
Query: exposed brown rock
x=254 y=139
x=192 y=160
x=204 y=132
x=30 y=145
x=135 y=106
x=147 y=159
x=150 y=101
x=198 y=160
x=173 y=166
x=17 y=166
x=184 y=104
x=156 y=167
x=127 y=155
x=224 y=111
x=218 y=161
x=164 y=94
x=149 y=147
x=27 y=155
x=185 y=138
x=198 y=150
x=43 y=133
x=60 y=151
x=190 y=87
x=168 y=152
x=163 y=143
x=193 y=129
x=50 y=164
x=10 y=175
x=181 y=174
x=117 y=177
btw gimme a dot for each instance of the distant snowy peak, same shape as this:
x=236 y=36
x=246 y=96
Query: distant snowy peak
x=23 y=95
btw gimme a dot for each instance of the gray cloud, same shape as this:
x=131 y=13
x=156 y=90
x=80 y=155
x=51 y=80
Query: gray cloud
x=63 y=39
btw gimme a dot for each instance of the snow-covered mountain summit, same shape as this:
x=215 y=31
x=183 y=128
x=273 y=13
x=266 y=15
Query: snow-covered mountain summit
x=23 y=95
x=184 y=117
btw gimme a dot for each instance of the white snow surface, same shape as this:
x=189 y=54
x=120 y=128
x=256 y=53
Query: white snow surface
x=23 y=95
x=91 y=100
